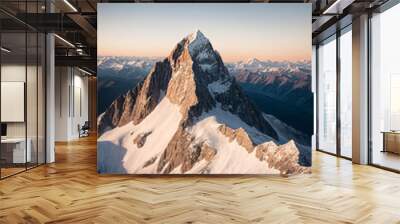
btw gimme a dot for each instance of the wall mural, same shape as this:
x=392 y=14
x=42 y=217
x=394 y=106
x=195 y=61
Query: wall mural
x=204 y=88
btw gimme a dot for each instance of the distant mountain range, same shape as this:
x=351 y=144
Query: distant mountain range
x=189 y=115
x=119 y=74
x=272 y=85
x=281 y=88
x=126 y=64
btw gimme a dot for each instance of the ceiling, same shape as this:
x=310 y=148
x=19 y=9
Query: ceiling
x=75 y=22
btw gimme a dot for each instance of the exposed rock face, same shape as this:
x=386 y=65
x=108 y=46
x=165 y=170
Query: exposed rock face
x=140 y=139
x=207 y=152
x=261 y=150
x=150 y=162
x=183 y=151
x=136 y=104
x=153 y=89
x=284 y=157
x=239 y=135
x=117 y=114
x=177 y=153
x=194 y=77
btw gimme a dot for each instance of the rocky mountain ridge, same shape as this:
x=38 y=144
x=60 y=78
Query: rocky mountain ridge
x=194 y=80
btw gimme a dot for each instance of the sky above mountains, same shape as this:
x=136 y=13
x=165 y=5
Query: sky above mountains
x=237 y=31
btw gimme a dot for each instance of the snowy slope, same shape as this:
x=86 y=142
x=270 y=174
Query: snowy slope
x=287 y=133
x=231 y=158
x=162 y=123
x=190 y=116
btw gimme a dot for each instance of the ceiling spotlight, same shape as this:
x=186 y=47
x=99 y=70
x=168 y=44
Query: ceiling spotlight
x=70 y=5
x=337 y=7
x=332 y=7
x=79 y=51
x=65 y=41
x=5 y=50
x=84 y=71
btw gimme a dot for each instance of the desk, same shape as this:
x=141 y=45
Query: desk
x=13 y=150
x=391 y=141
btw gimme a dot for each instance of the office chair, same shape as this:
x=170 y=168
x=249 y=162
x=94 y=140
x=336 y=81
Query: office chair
x=84 y=130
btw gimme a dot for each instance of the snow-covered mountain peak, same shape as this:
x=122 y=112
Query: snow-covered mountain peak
x=253 y=61
x=199 y=44
x=197 y=36
x=195 y=80
x=213 y=127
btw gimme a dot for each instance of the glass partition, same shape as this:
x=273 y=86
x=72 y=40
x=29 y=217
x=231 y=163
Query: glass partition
x=31 y=98
x=22 y=77
x=41 y=97
x=14 y=155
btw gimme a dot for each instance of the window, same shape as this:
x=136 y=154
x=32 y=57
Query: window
x=385 y=89
x=334 y=94
x=394 y=102
x=327 y=95
x=346 y=92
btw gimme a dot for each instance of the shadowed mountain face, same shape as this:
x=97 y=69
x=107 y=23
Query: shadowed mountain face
x=273 y=86
x=270 y=85
x=190 y=116
x=117 y=75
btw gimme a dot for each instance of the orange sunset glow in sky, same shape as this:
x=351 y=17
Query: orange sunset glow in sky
x=237 y=31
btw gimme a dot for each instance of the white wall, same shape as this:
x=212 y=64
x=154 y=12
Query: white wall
x=81 y=108
x=61 y=103
x=71 y=87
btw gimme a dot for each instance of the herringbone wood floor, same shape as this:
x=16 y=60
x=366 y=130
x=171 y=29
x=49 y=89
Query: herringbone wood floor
x=70 y=191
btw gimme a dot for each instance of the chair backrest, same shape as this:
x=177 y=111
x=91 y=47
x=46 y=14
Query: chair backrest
x=86 y=125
